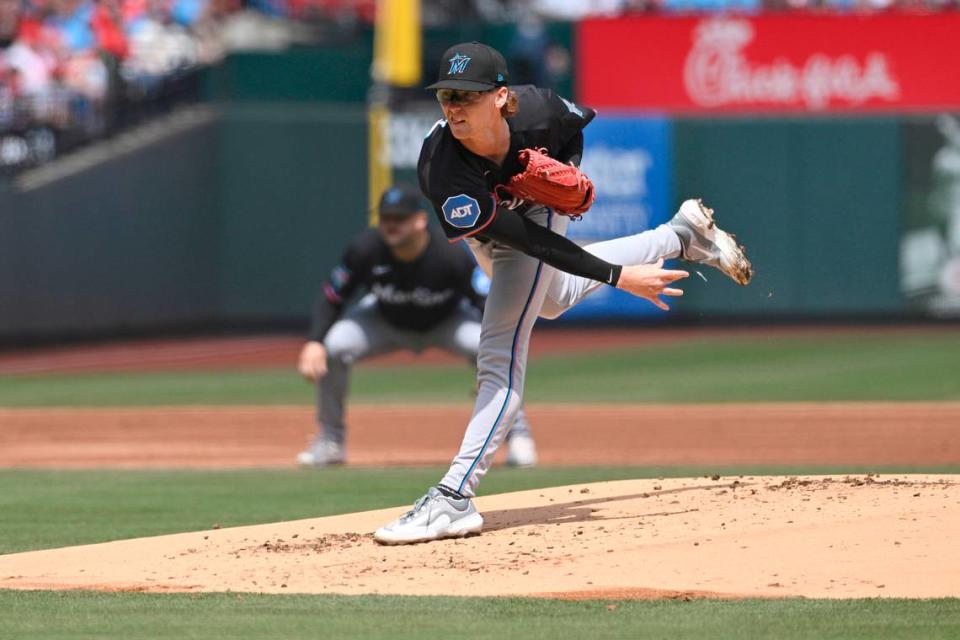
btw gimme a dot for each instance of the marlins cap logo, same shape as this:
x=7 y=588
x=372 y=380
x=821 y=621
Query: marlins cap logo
x=458 y=64
x=393 y=196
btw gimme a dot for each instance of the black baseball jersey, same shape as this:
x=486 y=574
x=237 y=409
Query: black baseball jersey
x=414 y=295
x=463 y=186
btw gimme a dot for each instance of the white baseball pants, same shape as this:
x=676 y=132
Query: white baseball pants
x=521 y=289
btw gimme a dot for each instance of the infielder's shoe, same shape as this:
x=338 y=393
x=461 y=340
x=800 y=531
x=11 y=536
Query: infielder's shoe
x=434 y=516
x=704 y=242
x=521 y=451
x=321 y=453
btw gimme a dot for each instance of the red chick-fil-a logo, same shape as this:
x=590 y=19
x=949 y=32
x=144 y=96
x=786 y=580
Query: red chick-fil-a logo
x=717 y=73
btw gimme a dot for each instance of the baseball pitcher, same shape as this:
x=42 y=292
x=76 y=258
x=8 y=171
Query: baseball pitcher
x=501 y=172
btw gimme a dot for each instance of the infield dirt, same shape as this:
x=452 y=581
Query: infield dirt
x=823 y=537
x=876 y=433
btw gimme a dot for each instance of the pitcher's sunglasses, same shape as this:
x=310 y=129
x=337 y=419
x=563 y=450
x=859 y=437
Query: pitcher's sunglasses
x=458 y=96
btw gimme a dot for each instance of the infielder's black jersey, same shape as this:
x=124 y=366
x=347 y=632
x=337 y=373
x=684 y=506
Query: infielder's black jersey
x=414 y=295
x=462 y=185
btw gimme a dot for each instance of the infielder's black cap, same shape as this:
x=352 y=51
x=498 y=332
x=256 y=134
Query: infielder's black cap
x=400 y=200
x=472 y=66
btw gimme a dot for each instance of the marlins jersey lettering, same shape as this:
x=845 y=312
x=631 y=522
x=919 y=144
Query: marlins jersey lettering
x=462 y=185
x=416 y=295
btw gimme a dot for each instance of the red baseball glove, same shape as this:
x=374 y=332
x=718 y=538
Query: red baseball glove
x=562 y=187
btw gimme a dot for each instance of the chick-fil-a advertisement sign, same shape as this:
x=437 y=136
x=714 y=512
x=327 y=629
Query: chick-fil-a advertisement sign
x=890 y=62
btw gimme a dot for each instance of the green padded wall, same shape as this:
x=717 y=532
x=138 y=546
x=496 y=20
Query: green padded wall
x=130 y=243
x=239 y=220
x=292 y=185
x=817 y=203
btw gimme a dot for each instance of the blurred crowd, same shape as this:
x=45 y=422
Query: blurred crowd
x=71 y=70
x=68 y=67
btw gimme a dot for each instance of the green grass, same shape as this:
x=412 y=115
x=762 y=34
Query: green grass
x=723 y=369
x=46 y=509
x=50 y=615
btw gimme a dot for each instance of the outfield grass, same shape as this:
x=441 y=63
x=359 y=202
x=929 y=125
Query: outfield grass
x=53 y=615
x=721 y=369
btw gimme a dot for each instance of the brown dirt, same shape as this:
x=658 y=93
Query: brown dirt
x=818 y=537
x=793 y=433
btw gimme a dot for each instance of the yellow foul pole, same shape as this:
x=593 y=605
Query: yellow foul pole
x=396 y=63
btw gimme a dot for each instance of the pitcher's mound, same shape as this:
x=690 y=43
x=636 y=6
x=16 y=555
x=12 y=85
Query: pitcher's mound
x=832 y=537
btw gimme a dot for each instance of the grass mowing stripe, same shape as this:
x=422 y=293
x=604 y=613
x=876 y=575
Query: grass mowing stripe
x=257 y=386
x=46 y=509
x=762 y=370
x=55 y=615
x=867 y=367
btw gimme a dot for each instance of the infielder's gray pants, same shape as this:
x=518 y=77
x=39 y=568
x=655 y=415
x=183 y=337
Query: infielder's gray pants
x=362 y=333
x=521 y=289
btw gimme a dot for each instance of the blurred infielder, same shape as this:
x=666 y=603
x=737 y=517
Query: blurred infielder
x=421 y=294
x=488 y=187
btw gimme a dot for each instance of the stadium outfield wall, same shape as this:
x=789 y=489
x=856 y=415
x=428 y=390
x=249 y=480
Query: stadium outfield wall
x=829 y=142
x=231 y=222
x=235 y=221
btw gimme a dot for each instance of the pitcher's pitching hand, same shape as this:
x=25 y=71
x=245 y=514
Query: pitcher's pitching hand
x=650 y=281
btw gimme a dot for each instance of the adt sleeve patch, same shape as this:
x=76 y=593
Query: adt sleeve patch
x=461 y=211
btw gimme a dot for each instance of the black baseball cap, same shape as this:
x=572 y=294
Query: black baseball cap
x=472 y=66
x=400 y=200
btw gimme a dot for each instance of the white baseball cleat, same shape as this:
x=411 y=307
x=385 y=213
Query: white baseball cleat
x=434 y=516
x=704 y=242
x=321 y=453
x=521 y=451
